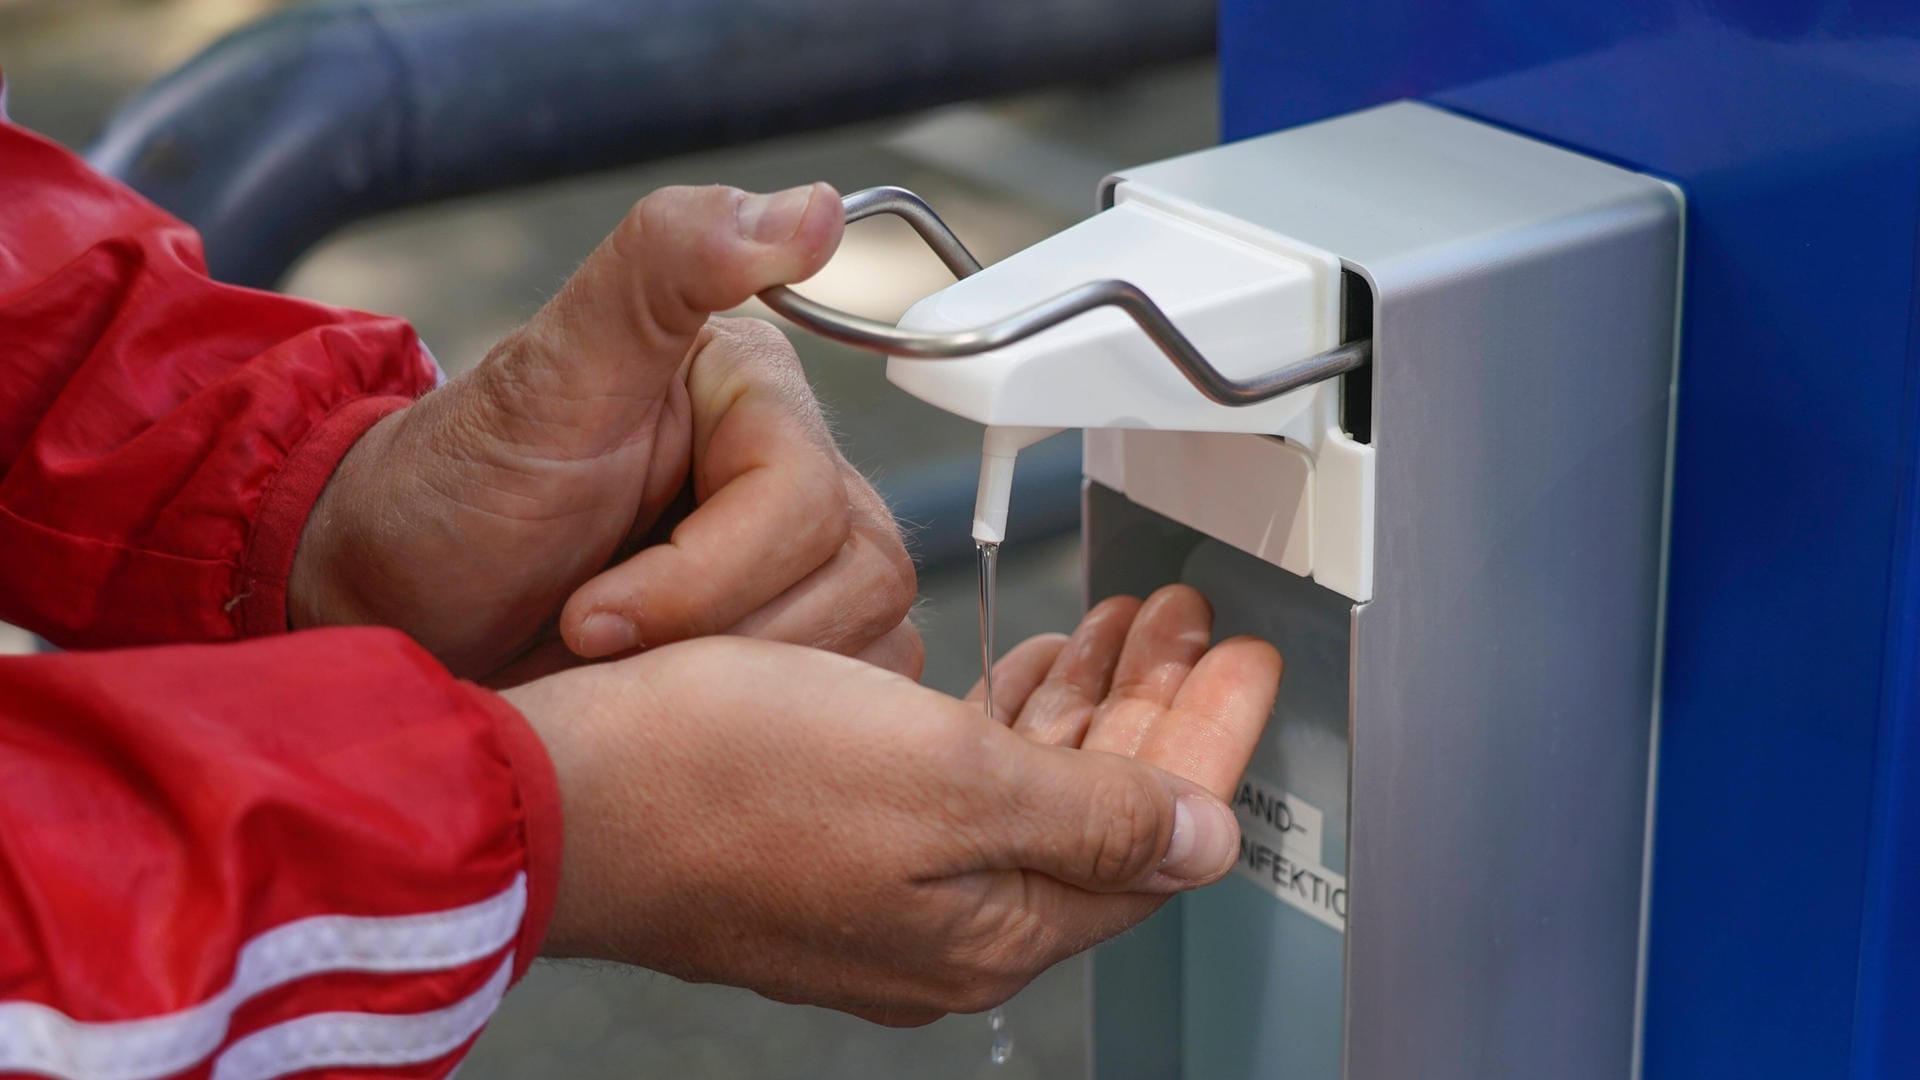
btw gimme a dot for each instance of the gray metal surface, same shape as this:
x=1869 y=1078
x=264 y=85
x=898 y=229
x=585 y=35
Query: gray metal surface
x=1230 y=983
x=1503 y=676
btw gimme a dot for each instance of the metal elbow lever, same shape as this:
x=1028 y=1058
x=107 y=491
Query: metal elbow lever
x=882 y=337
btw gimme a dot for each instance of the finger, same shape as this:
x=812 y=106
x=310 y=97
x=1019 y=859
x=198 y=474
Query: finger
x=620 y=329
x=1209 y=734
x=900 y=651
x=773 y=506
x=1099 y=821
x=1166 y=639
x=860 y=595
x=1061 y=707
x=1017 y=674
x=1075 y=919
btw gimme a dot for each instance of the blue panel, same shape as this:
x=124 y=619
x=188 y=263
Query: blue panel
x=1786 y=914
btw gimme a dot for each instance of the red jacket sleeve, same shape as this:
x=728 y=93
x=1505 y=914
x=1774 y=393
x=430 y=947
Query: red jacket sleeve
x=312 y=851
x=162 y=435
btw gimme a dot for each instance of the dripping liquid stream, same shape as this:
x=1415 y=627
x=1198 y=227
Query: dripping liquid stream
x=1001 y=1048
x=989 y=584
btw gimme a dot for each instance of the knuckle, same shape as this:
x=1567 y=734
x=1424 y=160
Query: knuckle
x=1123 y=827
x=955 y=759
x=830 y=525
x=913 y=652
x=763 y=339
x=901 y=584
x=652 y=216
x=755 y=352
x=901 y=593
x=692 y=620
x=996 y=945
x=996 y=950
x=880 y=603
x=700 y=224
x=654 y=207
x=989 y=978
x=836 y=503
x=900 y=580
x=979 y=997
x=954 y=749
x=657 y=316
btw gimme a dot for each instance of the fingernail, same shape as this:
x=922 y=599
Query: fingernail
x=770 y=219
x=1203 y=839
x=604 y=633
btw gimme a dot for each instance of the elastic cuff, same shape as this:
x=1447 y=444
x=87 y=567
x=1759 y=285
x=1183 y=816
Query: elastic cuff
x=540 y=816
x=259 y=606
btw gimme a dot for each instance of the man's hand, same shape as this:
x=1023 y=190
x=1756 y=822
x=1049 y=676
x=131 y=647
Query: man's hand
x=826 y=832
x=544 y=496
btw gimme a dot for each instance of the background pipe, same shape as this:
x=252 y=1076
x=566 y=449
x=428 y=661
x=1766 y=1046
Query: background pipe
x=319 y=116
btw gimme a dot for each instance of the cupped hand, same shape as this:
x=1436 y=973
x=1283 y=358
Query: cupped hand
x=623 y=471
x=823 y=831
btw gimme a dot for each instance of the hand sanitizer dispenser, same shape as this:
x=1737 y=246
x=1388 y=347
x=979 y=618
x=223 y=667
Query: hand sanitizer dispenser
x=1394 y=390
x=1208 y=306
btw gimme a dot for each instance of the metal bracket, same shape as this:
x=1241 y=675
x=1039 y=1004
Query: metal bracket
x=850 y=329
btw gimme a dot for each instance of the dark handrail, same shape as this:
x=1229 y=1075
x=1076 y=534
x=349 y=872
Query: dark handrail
x=309 y=120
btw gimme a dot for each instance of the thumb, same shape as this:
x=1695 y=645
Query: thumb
x=1107 y=823
x=621 y=327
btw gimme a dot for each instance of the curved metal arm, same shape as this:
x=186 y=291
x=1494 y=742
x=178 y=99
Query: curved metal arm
x=914 y=210
x=882 y=337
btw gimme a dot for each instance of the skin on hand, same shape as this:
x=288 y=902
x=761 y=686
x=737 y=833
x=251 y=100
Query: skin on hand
x=823 y=831
x=623 y=471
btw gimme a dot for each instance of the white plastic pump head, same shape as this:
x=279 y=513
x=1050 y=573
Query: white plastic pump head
x=1249 y=300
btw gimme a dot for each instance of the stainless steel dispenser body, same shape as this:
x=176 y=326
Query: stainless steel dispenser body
x=1475 y=731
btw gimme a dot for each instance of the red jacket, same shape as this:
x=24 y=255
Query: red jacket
x=225 y=850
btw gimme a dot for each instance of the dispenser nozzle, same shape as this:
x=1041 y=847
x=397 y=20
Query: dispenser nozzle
x=998 y=450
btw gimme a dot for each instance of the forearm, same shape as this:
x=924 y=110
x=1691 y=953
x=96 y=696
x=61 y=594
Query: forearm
x=202 y=849
x=162 y=435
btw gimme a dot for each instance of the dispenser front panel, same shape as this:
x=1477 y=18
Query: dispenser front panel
x=1252 y=969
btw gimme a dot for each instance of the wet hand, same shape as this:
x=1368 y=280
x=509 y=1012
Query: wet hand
x=826 y=832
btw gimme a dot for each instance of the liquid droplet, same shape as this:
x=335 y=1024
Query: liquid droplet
x=1003 y=1044
x=1001 y=1049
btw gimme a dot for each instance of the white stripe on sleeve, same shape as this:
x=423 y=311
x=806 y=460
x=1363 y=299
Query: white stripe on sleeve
x=35 y=1038
x=338 y=1039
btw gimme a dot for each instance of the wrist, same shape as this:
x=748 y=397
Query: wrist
x=336 y=546
x=263 y=603
x=540 y=816
x=539 y=704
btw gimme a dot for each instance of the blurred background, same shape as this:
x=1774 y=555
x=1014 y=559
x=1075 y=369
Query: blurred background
x=1004 y=171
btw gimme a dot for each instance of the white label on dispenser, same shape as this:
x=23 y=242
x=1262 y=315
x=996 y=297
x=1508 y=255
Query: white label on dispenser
x=1289 y=822
x=1280 y=849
